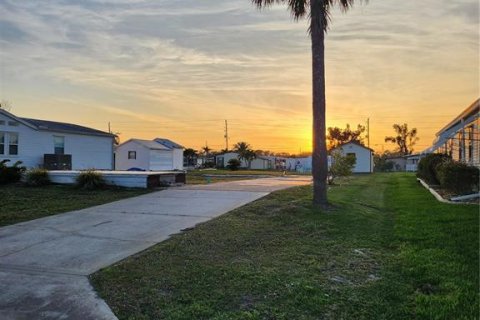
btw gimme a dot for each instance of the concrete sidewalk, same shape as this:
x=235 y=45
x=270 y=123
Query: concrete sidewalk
x=44 y=262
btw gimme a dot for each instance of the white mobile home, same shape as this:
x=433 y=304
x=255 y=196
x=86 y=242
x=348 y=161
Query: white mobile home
x=54 y=145
x=362 y=154
x=149 y=155
x=259 y=163
x=460 y=138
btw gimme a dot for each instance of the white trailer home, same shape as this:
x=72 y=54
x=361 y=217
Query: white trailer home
x=362 y=154
x=149 y=155
x=54 y=145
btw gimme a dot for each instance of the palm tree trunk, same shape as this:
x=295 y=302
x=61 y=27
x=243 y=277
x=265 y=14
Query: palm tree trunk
x=319 y=155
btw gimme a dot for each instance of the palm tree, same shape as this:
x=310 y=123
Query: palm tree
x=244 y=152
x=405 y=139
x=319 y=13
x=206 y=150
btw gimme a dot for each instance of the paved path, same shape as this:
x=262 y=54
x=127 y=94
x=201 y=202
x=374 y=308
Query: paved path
x=44 y=263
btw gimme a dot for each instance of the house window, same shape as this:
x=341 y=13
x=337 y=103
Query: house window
x=13 y=143
x=59 y=144
x=132 y=155
x=2 y=122
x=2 y=143
x=352 y=154
x=13 y=123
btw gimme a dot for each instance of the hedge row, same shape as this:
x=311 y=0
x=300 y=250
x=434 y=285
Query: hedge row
x=454 y=176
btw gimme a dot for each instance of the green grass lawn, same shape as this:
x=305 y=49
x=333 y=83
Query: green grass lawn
x=388 y=250
x=20 y=203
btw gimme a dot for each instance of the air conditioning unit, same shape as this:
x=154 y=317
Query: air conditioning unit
x=57 y=161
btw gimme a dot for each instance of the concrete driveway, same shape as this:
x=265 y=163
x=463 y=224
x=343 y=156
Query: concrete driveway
x=44 y=263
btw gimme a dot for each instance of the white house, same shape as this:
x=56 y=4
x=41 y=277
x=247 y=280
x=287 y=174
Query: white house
x=302 y=165
x=460 y=138
x=259 y=163
x=149 y=155
x=35 y=141
x=221 y=160
x=362 y=154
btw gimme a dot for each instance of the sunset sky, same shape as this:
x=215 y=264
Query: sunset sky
x=177 y=69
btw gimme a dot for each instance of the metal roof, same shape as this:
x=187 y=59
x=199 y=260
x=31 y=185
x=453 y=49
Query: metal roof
x=63 y=127
x=153 y=145
x=168 y=143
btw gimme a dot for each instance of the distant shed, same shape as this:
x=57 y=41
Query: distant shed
x=149 y=155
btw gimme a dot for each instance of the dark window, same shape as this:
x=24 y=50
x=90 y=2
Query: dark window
x=353 y=155
x=13 y=143
x=132 y=154
x=13 y=123
x=2 y=143
x=59 y=144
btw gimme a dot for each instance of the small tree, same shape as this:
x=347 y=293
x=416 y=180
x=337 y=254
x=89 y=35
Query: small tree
x=405 y=139
x=233 y=164
x=337 y=136
x=341 y=166
x=189 y=156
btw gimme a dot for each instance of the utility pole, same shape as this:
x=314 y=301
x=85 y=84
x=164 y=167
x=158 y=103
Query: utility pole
x=368 y=143
x=109 y=130
x=226 y=135
x=368 y=132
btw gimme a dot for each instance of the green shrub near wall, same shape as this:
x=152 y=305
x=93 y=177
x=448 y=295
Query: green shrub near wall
x=10 y=174
x=458 y=177
x=37 y=178
x=426 y=169
x=90 y=180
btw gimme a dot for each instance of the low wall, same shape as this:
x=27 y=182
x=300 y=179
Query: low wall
x=129 y=179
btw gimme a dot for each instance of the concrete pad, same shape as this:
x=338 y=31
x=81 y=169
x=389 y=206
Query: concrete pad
x=26 y=296
x=254 y=185
x=15 y=238
x=43 y=263
x=73 y=254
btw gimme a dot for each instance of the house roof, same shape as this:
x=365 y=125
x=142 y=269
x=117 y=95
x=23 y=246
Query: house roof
x=168 y=143
x=156 y=144
x=150 y=144
x=44 y=125
x=472 y=110
x=355 y=143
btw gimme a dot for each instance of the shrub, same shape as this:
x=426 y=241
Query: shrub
x=458 y=177
x=427 y=167
x=90 y=180
x=37 y=178
x=233 y=164
x=10 y=174
x=342 y=166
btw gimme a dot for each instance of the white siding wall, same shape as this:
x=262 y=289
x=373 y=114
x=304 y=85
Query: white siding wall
x=259 y=164
x=232 y=155
x=121 y=157
x=161 y=160
x=87 y=151
x=177 y=159
x=364 y=157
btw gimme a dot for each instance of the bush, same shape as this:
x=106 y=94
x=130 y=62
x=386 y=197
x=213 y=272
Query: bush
x=10 y=174
x=427 y=166
x=37 y=178
x=233 y=164
x=458 y=177
x=90 y=180
x=342 y=166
